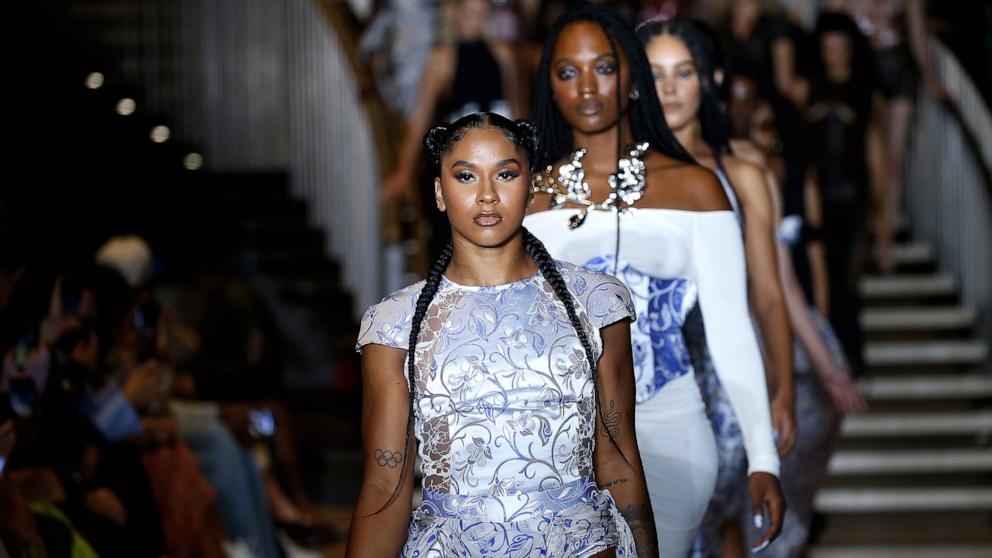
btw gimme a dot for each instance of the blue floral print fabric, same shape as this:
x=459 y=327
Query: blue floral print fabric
x=505 y=417
x=659 y=349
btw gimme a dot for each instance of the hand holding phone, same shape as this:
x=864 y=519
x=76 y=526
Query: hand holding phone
x=261 y=423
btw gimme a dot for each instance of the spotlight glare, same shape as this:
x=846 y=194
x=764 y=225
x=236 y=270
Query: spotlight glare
x=193 y=161
x=126 y=106
x=94 y=80
x=160 y=134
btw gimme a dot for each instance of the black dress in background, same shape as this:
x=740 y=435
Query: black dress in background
x=837 y=125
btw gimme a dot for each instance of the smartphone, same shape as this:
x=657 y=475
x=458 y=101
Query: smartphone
x=23 y=397
x=261 y=423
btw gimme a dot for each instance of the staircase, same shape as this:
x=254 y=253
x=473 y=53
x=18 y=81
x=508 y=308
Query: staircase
x=913 y=476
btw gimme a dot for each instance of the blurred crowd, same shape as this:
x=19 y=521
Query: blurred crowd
x=140 y=417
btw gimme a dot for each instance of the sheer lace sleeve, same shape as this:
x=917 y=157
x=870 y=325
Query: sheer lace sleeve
x=388 y=322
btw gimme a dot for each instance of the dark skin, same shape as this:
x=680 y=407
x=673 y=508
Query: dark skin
x=484 y=189
x=584 y=85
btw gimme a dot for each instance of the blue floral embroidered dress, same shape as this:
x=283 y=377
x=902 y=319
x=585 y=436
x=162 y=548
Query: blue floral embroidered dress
x=505 y=417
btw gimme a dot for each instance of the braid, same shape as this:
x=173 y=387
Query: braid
x=431 y=285
x=549 y=270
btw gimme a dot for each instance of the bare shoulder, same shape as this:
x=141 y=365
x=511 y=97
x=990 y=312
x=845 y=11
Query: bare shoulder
x=747 y=177
x=747 y=150
x=674 y=184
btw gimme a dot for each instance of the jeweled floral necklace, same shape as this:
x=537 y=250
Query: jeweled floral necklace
x=626 y=186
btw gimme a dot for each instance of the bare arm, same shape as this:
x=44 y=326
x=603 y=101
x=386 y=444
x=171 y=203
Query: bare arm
x=766 y=298
x=382 y=512
x=836 y=378
x=616 y=458
x=917 y=37
x=437 y=75
x=787 y=81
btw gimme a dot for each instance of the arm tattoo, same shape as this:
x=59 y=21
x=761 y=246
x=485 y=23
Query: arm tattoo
x=640 y=519
x=613 y=483
x=386 y=458
x=611 y=422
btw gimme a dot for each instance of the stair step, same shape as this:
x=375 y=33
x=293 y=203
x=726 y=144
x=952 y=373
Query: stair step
x=922 y=387
x=918 y=424
x=906 y=286
x=904 y=551
x=925 y=353
x=918 y=318
x=912 y=253
x=913 y=461
x=915 y=499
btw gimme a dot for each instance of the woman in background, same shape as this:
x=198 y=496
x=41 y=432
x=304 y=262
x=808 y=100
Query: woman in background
x=662 y=224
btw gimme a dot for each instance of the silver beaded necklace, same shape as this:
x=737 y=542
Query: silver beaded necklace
x=626 y=185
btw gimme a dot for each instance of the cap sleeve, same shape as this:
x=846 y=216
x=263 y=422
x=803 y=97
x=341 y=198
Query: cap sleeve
x=388 y=322
x=604 y=297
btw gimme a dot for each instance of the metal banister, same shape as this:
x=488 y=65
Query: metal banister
x=948 y=183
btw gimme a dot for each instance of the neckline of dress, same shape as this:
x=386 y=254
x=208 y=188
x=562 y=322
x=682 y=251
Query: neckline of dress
x=688 y=212
x=499 y=287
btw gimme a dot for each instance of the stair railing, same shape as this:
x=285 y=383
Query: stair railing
x=948 y=184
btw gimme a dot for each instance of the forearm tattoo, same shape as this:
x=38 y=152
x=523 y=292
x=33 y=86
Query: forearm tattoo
x=611 y=422
x=640 y=519
x=386 y=458
x=613 y=483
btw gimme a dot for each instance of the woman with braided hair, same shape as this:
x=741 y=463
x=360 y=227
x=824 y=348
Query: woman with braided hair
x=513 y=374
x=663 y=226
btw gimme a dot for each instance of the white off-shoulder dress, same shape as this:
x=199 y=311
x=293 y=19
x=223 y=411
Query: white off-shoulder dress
x=671 y=261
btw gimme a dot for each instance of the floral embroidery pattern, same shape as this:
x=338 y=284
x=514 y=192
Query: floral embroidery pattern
x=659 y=348
x=505 y=416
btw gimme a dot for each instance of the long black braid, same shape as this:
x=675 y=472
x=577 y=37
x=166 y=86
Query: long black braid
x=431 y=285
x=549 y=270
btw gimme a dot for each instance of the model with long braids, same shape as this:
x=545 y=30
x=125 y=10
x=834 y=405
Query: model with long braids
x=513 y=374
x=685 y=60
x=662 y=224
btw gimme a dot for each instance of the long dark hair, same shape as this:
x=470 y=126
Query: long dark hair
x=864 y=71
x=707 y=58
x=438 y=141
x=643 y=114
